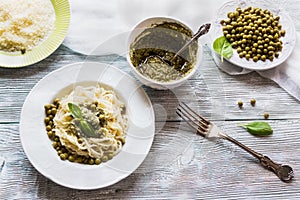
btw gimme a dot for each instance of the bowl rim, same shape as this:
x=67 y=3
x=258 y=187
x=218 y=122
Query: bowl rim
x=170 y=83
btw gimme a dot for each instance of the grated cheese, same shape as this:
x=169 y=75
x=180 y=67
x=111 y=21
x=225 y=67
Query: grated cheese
x=24 y=24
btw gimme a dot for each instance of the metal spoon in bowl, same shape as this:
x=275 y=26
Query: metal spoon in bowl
x=201 y=31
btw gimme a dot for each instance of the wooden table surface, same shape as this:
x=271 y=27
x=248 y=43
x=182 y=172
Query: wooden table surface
x=180 y=165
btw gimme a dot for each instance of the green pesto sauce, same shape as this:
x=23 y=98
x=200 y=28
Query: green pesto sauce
x=159 y=43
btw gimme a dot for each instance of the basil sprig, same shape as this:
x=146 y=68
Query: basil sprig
x=83 y=125
x=258 y=128
x=223 y=47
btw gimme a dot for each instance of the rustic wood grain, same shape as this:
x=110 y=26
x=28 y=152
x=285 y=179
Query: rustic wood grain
x=181 y=164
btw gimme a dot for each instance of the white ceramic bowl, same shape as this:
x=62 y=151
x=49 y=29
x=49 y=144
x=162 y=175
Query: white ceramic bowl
x=150 y=82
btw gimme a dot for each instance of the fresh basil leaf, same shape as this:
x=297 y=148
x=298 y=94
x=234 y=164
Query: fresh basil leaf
x=87 y=128
x=223 y=47
x=258 y=128
x=75 y=110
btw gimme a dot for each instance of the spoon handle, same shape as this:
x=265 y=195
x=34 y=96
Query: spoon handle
x=201 y=31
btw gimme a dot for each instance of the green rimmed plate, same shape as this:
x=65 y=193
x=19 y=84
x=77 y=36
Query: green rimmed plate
x=47 y=47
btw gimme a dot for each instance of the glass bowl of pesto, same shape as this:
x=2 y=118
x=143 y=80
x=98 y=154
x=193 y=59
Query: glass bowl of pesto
x=152 y=46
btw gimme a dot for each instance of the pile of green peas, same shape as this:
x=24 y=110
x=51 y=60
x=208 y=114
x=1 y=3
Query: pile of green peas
x=62 y=151
x=254 y=33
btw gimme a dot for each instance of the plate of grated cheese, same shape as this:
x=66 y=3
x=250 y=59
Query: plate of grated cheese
x=31 y=30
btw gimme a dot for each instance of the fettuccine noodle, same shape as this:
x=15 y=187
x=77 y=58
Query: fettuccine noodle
x=111 y=134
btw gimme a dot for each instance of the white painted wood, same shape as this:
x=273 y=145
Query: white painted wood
x=180 y=165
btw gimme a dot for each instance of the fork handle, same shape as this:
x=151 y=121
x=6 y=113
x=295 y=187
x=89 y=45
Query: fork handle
x=284 y=172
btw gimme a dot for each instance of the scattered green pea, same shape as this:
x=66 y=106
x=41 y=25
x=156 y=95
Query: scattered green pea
x=56 y=102
x=97 y=161
x=104 y=159
x=63 y=156
x=50 y=134
x=48 y=128
x=252 y=102
x=54 y=144
x=56 y=139
x=47 y=107
x=110 y=156
x=266 y=115
x=240 y=103
x=91 y=161
x=71 y=158
x=79 y=159
x=47 y=120
x=53 y=111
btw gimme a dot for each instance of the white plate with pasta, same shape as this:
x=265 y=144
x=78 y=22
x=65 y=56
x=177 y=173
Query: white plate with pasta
x=133 y=124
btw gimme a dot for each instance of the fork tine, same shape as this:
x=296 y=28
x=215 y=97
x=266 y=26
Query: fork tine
x=201 y=122
x=205 y=120
x=191 y=118
x=186 y=119
x=196 y=121
x=190 y=122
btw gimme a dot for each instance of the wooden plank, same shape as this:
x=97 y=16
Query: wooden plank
x=180 y=164
x=214 y=93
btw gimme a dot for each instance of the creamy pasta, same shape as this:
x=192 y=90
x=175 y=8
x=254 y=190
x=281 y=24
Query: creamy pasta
x=90 y=122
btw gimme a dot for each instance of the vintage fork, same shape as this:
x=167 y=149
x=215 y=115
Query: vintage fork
x=207 y=129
